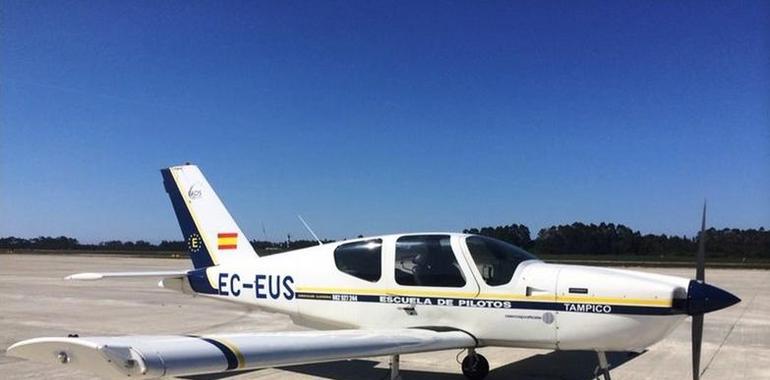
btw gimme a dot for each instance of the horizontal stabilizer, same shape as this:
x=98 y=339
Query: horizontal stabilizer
x=98 y=276
x=156 y=356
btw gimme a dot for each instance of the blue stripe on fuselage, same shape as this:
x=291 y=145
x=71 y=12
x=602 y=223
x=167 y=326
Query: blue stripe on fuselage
x=199 y=281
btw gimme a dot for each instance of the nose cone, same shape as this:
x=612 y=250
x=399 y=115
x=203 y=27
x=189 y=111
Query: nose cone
x=704 y=298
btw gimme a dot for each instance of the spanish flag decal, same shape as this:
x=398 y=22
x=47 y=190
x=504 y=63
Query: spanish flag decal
x=227 y=240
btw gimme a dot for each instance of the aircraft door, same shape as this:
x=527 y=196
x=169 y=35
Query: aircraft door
x=429 y=271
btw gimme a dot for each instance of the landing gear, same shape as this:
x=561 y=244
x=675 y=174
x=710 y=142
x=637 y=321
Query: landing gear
x=475 y=366
x=604 y=366
x=394 y=367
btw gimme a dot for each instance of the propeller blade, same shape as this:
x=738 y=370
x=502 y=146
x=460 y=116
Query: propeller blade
x=700 y=275
x=697 y=337
x=700 y=260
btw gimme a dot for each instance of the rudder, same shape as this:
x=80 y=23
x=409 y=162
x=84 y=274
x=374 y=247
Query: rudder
x=211 y=234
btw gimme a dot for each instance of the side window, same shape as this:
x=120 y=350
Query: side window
x=360 y=259
x=427 y=260
x=496 y=260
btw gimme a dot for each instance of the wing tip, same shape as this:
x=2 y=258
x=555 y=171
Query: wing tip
x=13 y=350
x=27 y=349
x=88 y=276
x=82 y=354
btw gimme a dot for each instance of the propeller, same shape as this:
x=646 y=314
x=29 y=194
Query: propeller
x=700 y=275
x=700 y=272
x=703 y=298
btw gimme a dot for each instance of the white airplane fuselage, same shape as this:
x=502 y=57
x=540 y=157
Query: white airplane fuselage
x=384 y=295
x=550 y=306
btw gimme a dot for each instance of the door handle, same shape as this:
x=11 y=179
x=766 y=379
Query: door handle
x=409 y=310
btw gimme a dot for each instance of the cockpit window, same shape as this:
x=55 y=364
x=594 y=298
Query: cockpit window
x=495 y=259
x=427 y=260
x=360 y=259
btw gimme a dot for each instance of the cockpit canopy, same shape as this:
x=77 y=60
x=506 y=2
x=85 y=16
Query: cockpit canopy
x=432 y=259
x=496 y=260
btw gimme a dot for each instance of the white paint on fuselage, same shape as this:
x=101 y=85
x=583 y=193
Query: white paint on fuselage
x=582 y=321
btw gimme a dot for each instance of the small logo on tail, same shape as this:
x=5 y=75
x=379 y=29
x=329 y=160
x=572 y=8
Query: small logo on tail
x=194 y=243
x=194 y=192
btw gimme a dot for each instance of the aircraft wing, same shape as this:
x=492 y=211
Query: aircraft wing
x=101 y=275
x=156 y=356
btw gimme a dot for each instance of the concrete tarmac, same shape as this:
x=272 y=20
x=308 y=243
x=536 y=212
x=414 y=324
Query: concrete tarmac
x=36 y=301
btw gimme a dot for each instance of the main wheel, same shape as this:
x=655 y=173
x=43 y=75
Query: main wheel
x=475 y=366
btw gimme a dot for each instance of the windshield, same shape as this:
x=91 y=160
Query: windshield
x=495 y=259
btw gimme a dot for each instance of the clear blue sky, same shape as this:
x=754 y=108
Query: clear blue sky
x=383 y=117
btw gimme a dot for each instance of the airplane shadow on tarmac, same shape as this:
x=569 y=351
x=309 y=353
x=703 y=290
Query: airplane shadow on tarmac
x=567 y=365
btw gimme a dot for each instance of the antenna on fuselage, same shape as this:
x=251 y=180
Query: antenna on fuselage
x=309 y=229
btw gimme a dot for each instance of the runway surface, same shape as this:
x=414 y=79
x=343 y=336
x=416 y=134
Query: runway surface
x=36 y=301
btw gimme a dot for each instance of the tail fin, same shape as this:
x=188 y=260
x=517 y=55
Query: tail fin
x=210 y=232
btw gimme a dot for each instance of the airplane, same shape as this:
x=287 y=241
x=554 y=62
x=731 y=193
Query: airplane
x=386 y=296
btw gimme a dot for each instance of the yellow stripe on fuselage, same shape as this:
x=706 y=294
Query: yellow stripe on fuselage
x=617 y=301
x=501 y=296
x=386 y=292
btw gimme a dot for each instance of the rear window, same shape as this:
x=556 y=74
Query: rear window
x=361 y=259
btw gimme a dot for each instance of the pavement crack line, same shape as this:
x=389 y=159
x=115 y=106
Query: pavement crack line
x=728 y=334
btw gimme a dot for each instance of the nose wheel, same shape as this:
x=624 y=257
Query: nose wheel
x=475 y=366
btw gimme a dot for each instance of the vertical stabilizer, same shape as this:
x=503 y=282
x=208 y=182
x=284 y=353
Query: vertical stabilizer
x=211 y=234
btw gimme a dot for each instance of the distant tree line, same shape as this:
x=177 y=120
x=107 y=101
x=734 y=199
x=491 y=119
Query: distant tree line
x=617 y=239
x=569 y=239
x=67 y=243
